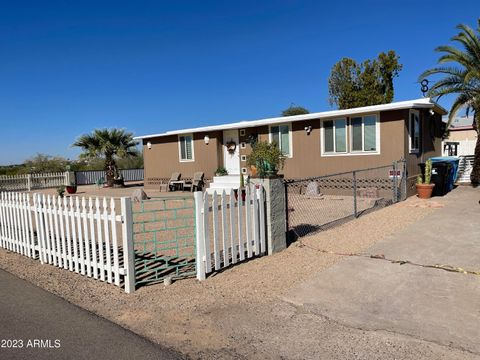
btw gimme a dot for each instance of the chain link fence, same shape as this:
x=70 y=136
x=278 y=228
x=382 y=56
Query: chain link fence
x=318 y=203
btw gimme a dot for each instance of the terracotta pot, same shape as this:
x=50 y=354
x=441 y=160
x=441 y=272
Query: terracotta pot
x=424 y=191
x=72 y=189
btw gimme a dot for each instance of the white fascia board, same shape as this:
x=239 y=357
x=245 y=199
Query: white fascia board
x=423 y=103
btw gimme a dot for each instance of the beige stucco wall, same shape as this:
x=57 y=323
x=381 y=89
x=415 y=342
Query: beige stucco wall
x=459 y=135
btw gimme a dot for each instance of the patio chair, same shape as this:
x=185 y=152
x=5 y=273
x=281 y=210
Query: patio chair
x=196 y=183
x=174 y=181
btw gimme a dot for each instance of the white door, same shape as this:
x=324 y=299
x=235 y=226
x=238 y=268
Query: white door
x=231 y=158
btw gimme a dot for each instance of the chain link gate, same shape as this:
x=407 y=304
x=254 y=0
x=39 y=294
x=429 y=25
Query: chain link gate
x=164 y=239
x=318 y=203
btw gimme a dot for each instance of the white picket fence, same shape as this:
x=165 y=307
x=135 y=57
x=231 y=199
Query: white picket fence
x=33 y=181
x=228 y=231
x=80 y=235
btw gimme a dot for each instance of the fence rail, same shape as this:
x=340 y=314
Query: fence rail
x=228 y=231
x=81 y=235
x=33 y=181
x=89 y=177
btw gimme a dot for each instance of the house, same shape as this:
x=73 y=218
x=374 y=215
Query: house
x=315 y=144
x=462 y=137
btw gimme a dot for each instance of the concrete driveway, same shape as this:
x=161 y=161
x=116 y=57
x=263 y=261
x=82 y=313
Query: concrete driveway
x=428 y=304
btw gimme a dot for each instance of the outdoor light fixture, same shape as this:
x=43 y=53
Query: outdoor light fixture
x=206 y=139
x=432 y=112
x=308 y=129
x=149 y=145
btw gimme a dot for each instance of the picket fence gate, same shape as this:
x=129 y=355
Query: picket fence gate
x=234 y=229
x=79 y=235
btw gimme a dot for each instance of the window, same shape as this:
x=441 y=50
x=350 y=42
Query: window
x=281 y=135
x=185 y=144
x=364 y=133
x=335 y=136
x=414 y=131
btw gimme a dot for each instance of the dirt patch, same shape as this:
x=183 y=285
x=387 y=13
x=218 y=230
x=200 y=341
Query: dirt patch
x=238 y=312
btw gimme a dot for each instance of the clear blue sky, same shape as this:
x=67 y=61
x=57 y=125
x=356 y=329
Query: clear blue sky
x=67 y=67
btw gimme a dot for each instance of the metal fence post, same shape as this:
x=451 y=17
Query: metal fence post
x=128 y=250
x=395 y=192
x=355 y=193
x=199 y=242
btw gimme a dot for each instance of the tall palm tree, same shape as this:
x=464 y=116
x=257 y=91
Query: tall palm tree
x=108 y=144
x=461 y=79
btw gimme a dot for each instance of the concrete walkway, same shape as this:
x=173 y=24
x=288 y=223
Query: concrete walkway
x=428 y=304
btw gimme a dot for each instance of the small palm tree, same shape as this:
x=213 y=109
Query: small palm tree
x=463 y=80
x=109 y=144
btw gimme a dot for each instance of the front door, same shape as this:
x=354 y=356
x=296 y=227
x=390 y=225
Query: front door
x=231 y=152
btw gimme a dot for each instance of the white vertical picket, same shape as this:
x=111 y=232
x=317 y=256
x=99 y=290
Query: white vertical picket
x=107 y=241
x=58 y=248
x=3 y=238
x=199 y=234
x=30 y=226
x=233 y=233
x=11 y=234
x=225 y=247
x=48 y=230
x=74 y=236
x=248 y=221
x=206 y=234
x=241 y=238
x=261 y=208
x=21 y=241
x=37 y=226
x=92 y=237
x=43 y=227
x=61 y=218
x=67 y=210
x=128 y=249
x=81 y=253
x=98 y=218
x=86 y=240
x=14 y=223
x=256 y=218
x=216 y=250
x=23 y=220
x=116 y=267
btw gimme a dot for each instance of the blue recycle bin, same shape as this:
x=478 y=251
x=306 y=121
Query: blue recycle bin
x=452 y=175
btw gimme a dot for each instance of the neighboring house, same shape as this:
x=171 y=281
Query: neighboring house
x=462 y=137
x=315 y=144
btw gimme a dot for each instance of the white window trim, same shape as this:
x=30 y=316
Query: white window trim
x=180 y=149
x=322 y=142
x=377 y=135
x=348 y=131
x=290 y=155
x=410 y=149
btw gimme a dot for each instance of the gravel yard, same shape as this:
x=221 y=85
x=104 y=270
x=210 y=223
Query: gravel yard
x=238 y=313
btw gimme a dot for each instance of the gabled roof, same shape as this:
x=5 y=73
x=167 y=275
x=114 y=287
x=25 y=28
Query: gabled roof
x=423 y=103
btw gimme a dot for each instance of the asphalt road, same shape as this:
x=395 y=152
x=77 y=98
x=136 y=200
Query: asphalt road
x=35 y=324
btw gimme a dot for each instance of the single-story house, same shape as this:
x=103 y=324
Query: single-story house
x=315 y=144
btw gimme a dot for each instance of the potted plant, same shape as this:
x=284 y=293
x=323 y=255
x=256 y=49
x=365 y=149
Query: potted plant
x=267 y=158
x=425 y=188
x=61 y=191
x=221 y=171
x=72 y=188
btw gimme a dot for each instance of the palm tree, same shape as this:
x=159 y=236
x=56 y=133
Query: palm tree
x=108 y=144
x=461 y=79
